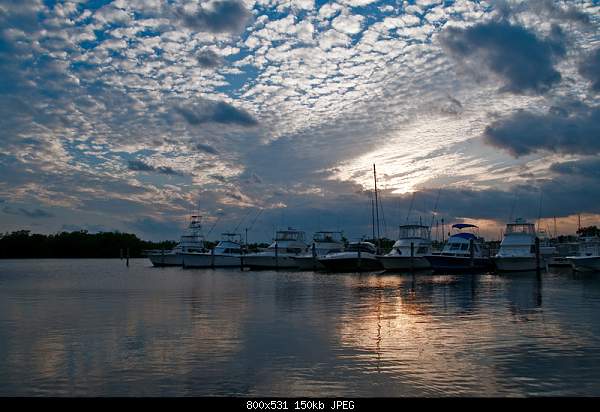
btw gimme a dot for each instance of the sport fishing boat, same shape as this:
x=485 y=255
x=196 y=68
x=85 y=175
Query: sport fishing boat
x=409 y=251
x=357 y=257
x=280 y=254
x=227 y=253
x=191 y=241
x=588 y=256
x=517 y=250
x=323 y=243
x=464 y=251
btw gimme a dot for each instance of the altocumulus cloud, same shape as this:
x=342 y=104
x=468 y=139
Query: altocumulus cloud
x=215 y=16
x=575 y=131
x=524 y=61
x=217 y=112
x=34 y=213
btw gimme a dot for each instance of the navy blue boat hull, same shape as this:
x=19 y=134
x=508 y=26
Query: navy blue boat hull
x=441 y=263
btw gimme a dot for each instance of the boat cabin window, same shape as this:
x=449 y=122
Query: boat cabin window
x=293 y=250
x=464 y=246
x=532 y=249
x=414 y=231
x=527 y=228
x=454 y=246
x=327 y=237
x=421 y=250
x=289 y=235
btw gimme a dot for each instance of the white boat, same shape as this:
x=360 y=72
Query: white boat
x=463 y=252
x=280 y=254
x=409 y=251
x=517 y=250
x=323 y=243
x=358 y=257
x=588 y=256
x=191 y=241
x=227 y=253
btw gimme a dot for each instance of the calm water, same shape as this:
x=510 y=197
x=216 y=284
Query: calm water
x=96 y=327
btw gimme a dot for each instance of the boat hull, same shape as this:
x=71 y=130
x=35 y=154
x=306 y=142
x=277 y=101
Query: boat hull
x=168 y=259
x=352 y=264
x=585 y=263
x=403 y=263
x=308 y=263
x=517 y=263
x=442 y=263
x=206 y=260
x=260 y=262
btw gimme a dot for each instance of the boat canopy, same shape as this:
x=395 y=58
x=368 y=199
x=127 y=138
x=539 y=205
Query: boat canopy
x=463 y=225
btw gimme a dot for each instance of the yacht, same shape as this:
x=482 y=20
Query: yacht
x=280 y=254
x=517 y=250
x=323 y=243
x=357 y=257
x=191 y=241
x=588 y=256
x=464 y=251
x=227 y=253
x=409 y=251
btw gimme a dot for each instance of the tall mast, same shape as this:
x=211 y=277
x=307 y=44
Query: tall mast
x=372 y=216
x=376 y=206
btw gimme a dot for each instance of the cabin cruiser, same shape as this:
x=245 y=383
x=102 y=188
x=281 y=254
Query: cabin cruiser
x=517 y=250
x=227 y=253
x=409 y=251
x=191 y=241
x=280 y=254
x=588 y=256
x=357 y=257
x=464 y=251
x=323 y=243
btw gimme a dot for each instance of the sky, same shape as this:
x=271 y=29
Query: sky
x=131 y=115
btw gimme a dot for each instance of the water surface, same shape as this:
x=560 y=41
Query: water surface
x=97 y=327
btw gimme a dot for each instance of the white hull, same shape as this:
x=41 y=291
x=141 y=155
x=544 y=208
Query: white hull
x=270 y=261
x=168 y=259
x=517 y=263
x=403 y=262
x=585 y=263
x=207 y=260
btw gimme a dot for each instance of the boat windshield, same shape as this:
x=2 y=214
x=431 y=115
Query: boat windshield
x=526 y=228
x=364 y=247
x=414 y=231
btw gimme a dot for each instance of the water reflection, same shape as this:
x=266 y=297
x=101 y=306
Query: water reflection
x=97 y=328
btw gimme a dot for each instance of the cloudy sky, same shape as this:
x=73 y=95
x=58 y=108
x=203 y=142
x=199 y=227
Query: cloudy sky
x=127 y=115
